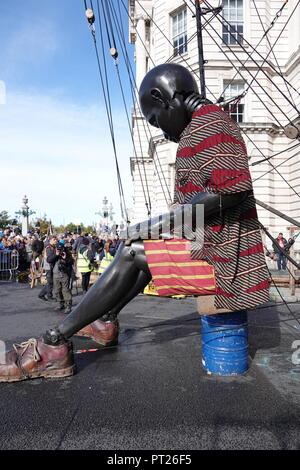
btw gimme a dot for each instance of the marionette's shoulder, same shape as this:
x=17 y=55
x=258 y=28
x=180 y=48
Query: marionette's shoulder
x=209 y=111
x=212 y=120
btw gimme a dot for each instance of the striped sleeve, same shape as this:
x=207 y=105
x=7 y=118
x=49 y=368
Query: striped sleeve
x=218 y=152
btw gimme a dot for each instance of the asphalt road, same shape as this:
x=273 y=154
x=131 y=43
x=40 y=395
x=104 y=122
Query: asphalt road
x=150 y=392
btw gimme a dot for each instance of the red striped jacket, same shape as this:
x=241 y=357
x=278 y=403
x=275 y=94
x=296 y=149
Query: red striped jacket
x=212 y=157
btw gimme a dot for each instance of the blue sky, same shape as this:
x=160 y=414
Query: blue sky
x=55 y=145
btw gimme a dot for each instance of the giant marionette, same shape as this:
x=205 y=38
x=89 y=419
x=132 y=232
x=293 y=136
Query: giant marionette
x=212 y=170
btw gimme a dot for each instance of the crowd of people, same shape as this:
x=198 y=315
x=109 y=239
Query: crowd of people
x=61 y=258
x=33 y=246
x=70 y=256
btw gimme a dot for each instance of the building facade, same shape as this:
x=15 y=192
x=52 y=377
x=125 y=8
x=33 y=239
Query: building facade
x=165 y=31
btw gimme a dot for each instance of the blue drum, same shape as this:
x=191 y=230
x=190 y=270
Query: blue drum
x=225 y=343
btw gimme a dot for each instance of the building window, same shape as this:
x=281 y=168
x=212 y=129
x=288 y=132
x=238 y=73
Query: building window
x=179 y=32
x=236 y=109
x=233 y=28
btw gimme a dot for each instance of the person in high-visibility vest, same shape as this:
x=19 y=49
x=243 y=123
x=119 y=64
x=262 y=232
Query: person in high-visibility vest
x=84 y=263
x=106 y=257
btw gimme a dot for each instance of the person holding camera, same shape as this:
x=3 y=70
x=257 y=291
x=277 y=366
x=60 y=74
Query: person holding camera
x=61 y=260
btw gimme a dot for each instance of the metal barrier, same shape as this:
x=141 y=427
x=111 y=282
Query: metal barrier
x=9 y=261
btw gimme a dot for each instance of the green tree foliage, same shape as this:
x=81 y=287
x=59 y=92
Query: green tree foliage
x=5 y=219
x=43 y=222
x=71 y=227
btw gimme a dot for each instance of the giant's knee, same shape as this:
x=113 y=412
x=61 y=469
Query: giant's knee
x=139 y=254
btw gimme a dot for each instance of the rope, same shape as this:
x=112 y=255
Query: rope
x=269 y=171
x=253 y=77
x=109 y=116
x=144 y=123
x=275 y=155
x=164 y=35
x=147 y=202
x=243 y=39
x=270 y=64
x=271 y=49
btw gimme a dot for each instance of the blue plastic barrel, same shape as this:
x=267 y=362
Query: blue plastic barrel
x=225 y=343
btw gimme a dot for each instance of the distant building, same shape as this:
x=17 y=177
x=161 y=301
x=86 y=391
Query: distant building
x=165 y=30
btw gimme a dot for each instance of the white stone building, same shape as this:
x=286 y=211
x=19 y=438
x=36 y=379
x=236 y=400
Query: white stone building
x=165 y=30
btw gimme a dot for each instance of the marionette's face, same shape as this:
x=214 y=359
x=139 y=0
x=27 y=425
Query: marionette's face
x=161 y=97
x=171 y=117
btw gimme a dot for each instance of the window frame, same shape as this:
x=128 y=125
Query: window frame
x=235 y=24
x=227 y=95
x=176 y=50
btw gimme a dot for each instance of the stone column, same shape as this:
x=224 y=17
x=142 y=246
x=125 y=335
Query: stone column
x=140 y=51
x=25 y=212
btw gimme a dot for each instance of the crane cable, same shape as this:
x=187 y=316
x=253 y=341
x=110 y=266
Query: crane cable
x=270 y=46
x=137 y=160
x=156 y=161
x=114 y=54
x=238 y=72
x=223 y=20
x=91 y=19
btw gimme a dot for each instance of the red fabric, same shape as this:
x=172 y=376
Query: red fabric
x=208 y=143
x=212 y=157
x=173 y=271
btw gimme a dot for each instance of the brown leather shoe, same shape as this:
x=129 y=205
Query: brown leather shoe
x=104 y=333
x=34 y=358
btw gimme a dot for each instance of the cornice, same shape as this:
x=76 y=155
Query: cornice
x=139 y=160
x=261 y=128
x=154 y=141
x=293 y=61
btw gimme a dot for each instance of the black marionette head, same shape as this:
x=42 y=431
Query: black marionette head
x=166 y=94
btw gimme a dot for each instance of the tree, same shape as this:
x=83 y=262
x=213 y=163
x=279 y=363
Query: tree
x=5 y=219
x=89 y=229
x=71 y=228
x=43 y=223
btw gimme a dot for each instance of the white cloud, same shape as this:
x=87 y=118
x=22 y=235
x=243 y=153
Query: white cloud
x=60 y=155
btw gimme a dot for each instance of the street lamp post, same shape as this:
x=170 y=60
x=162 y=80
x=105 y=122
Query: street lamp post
x=106 y=213
x=25 y=213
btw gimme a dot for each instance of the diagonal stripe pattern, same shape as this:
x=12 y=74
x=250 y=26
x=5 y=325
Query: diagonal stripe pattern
x=212 y=157
x=174 y=272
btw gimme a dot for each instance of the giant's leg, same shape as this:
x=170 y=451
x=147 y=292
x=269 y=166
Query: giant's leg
x=52 y=355
x=111 y=290
x=142 y=280
x=105 y=330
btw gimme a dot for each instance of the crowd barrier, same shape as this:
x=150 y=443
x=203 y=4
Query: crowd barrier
x=9 y=262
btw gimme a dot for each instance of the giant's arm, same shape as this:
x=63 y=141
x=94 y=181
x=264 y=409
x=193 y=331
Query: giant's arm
x=213 y=204
x=216 y=203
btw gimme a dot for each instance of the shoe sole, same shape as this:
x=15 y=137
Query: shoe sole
x=51 y=374
x=94 y=338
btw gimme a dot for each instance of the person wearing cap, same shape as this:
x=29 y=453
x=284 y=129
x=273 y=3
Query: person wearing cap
x=85 y=261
